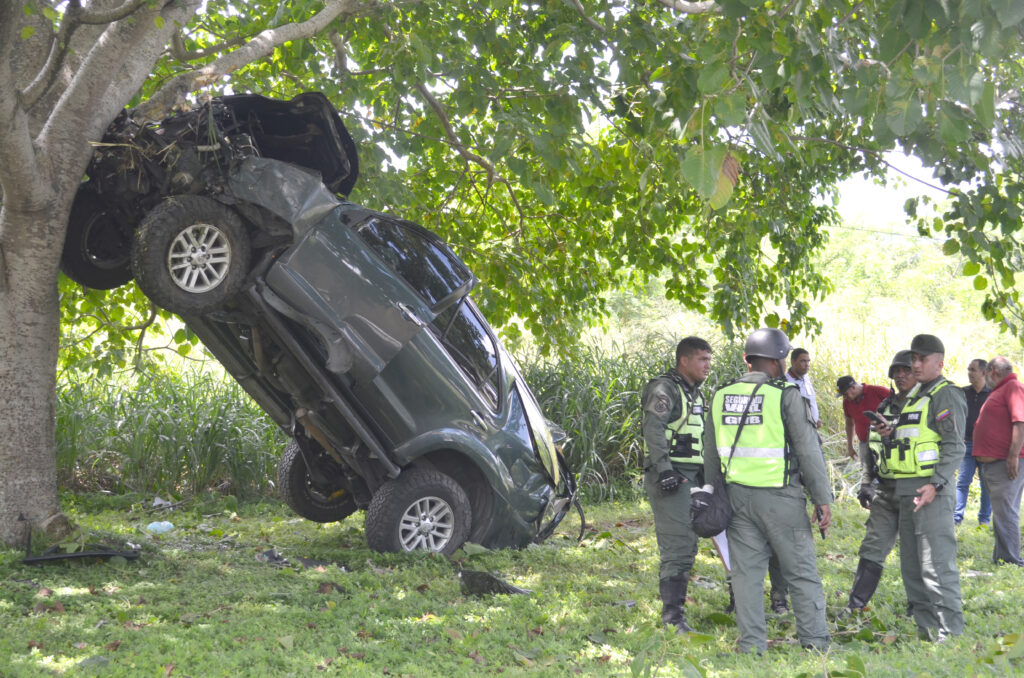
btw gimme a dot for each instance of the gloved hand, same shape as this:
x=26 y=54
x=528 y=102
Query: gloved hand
x=865 y=495
x=669 y=481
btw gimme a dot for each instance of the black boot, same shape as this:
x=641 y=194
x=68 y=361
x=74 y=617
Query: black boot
x=673 y=597
x=732 y=599
x=777 y=601
x=865 y=581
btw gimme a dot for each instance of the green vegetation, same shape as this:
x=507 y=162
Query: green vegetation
x=199 y=603
x=163 y=432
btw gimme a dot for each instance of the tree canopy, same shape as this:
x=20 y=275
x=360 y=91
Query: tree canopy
x=567 y=149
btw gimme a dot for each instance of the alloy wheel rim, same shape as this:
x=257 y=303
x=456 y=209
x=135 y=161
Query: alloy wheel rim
x=199 y=258
x=428 y=524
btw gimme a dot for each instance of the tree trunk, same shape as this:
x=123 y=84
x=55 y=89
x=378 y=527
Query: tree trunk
x=29 y=316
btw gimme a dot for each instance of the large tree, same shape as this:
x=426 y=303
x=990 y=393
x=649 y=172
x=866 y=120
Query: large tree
x=565 y=148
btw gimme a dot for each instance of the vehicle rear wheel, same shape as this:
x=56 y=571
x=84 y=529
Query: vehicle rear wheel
x=422 y=509
x=97 y=251
x=191 y=254
x=311 y=502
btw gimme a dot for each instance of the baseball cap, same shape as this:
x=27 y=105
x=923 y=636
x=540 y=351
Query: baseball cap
x=844 y=383
x=926 y=344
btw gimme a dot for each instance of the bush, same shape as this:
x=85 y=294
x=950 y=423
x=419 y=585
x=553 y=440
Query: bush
x=163 y=432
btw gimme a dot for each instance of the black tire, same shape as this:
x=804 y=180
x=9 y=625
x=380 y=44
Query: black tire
x=421 y=509
x=310 y=502
x=191 y=254
x=97 y=249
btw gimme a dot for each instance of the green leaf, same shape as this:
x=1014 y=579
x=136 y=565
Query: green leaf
x=287 y=642
x=971 y=268
x=904 y=113
x=1008 y=12
x=721 y=619
x=702 y=167
x=857 y=664
x=158 y=21
x=27 y=32
x=950 y=247
x=723 y=191
x=980 y=282
x=732 y=109
x=712 y=77
x=986 y=108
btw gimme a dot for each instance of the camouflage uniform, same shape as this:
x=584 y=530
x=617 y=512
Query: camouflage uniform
x=767 y=520
x=663 y=404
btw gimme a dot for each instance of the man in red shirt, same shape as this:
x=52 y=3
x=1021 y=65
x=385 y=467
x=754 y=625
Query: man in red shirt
x=857 y=399
x=998 y=438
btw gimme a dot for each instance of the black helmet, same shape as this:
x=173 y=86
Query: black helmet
x=768 y=342
x=901 y=359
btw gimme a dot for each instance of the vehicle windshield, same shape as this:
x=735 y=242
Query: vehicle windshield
x=543 y=444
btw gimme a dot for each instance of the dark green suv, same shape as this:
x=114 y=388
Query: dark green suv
x=354 y=330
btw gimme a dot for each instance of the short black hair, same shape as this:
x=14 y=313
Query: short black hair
x=797 y=352
x=690 y=345
x=980 y=363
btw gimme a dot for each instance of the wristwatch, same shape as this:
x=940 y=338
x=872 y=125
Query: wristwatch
x=938 y=486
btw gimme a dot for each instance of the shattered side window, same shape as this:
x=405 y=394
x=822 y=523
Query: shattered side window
x=428 y=267
x=464 y=335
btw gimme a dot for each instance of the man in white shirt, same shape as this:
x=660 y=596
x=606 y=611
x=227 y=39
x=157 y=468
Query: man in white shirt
x=799 y=366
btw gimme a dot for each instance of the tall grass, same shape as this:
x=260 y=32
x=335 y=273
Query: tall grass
x=182 y=433
x=595 y=398
x=163 y=432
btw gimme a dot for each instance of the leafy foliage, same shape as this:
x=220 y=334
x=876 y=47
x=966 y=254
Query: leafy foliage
x=568 y=150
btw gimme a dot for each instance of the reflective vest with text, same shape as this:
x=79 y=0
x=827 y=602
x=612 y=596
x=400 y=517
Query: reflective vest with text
x=759 y=458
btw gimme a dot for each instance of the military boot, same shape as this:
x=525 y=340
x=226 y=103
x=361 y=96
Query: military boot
x=673 y=597
x=777 y=600
x=865 y=581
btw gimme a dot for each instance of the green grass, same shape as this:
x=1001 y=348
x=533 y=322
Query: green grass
x=198 y=603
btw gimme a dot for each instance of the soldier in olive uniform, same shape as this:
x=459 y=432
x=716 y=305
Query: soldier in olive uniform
x=922 y=457
x=759 y=434
x=673 y=407
x=878 y=491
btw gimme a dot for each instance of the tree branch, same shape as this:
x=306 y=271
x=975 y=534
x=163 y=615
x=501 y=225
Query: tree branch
x=19 y=156
x=105 y=79
x=578 y=6
x=181 y=53
x=263 y=44
x=453 y=139
x=692 y=7
x=877 y=156
x=74 y=17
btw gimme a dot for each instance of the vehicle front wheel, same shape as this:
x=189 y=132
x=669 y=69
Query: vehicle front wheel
x=422 y=509
x=191 y=254
x=311 y=501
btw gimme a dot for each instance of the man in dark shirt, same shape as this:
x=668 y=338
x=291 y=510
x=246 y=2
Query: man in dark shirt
x=976 y=392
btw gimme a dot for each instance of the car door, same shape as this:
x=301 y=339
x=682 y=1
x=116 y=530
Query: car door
x=366 y=284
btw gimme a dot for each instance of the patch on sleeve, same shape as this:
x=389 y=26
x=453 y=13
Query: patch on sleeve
x=661 y=404
x=942 y=415
x=947 y=425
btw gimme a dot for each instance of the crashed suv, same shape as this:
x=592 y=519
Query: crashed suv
x=353 y=329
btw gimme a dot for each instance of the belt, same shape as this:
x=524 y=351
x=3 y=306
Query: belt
x=987 y=460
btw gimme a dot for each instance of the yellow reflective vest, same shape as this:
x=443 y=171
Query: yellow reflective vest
x=760 y=456
x=914 y=452
x=684 y=434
